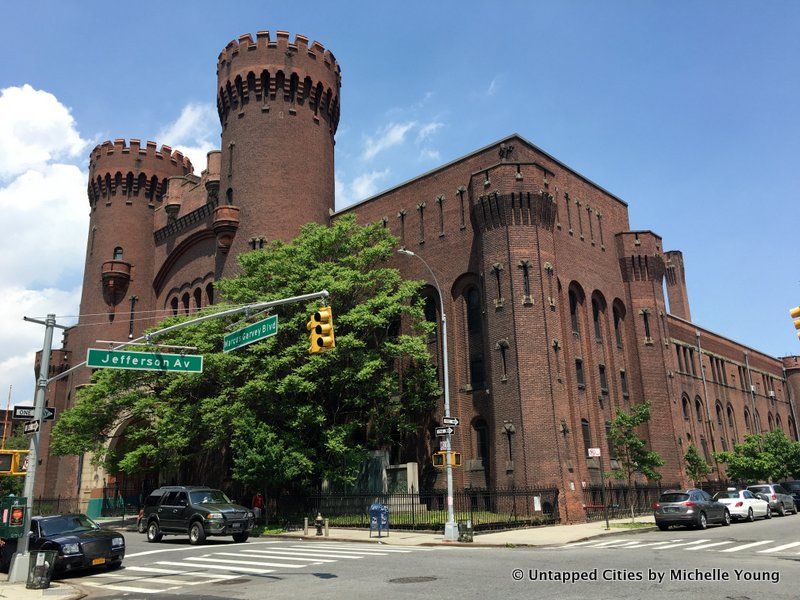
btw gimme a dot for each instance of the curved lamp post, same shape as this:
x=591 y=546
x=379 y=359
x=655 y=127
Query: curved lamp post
x=450 y=529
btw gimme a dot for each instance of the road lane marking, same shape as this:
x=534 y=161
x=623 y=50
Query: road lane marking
x=247 y=562
x=284 y=556
x=779 y=548
x=218 y=576
x=642 y=545
x=223 y=568
x=746 y=546
x=183 y=548
x=374 y=545
x=365 y=549
x=128 y=588
x=325 y=553
x=607 y=544
x=704 y=546
x=160 y=579
x=335 y=551
x=683 y=544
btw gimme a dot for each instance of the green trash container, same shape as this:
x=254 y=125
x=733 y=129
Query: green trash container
x=40 y=570
x=465 y=532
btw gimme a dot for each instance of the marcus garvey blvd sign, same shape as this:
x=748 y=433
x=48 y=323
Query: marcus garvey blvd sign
x=144 y=361
x=251 y=334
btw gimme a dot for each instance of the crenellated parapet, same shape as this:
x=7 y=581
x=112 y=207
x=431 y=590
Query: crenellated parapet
x=126 y=169
x=253 y=74
x=640 y=256
x=509 y=194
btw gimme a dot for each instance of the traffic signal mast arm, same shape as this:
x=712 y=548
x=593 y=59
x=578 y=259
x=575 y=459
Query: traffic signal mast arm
x=323 y=294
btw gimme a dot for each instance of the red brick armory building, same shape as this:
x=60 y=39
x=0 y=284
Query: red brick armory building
x=556 y=309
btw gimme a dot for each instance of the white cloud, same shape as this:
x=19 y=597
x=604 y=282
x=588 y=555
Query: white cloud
x=35 y=128
x=366 y=184
x=492 y=89
x=428 y=130
x=195 y=132
x=44 y=205
x=388 y=136
x=429 y=154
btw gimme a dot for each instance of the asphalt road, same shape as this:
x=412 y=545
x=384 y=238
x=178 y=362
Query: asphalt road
x=746 y=560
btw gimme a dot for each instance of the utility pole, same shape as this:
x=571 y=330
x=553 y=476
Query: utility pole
x=450 y=527
x=19 y=565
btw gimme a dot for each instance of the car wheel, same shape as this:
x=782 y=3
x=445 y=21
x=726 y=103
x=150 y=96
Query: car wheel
x=154 y=532
x=241 y=537
x=750 y=516
x=663 y=526
x=781 y=510
x=726 y=518
x=197 y=535
x=769 y=513
x=141 y=526
x=702 y=523
x=113 y=565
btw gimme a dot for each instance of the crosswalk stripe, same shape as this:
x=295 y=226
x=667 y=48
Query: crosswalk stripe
x=156 y=579
x=321 y=554
x=704 y=546
x=286 y=556
x=684 y=544
x=625 y=545
x=641 y=545
x=216 y=576
x=185 y=548
x=220 y=567
x=746 y=546
x=577 y=544
x=128 y=588
x=336 y=550
x=779 y=548
x=246 y=562
x=333 y=553
x=373 y=548
x=606 y=544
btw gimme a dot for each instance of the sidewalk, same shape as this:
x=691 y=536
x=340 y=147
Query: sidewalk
x=552 y=535
x=57 y=591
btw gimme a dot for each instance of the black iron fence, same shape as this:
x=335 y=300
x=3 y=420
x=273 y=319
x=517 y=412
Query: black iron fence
x=44 y=507
x=619 y=500
x=426 y=510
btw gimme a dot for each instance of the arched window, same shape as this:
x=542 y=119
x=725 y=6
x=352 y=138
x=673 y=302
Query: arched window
x=198 y=298
x=619 y=315
x=770 y=422
x=689 y=437
x=698 y=409
x=720 y=421
x=685 y=407
x=587 y=436
x=747 y=426
x=229 y=196
x=174 y=304
x=756 y=421
x=482 y=441
x=792 y=429
x=118 y=253
x=431 y=316
x=185 y=301
x=475 y=341
x=598 y=333
x=210 y=293
x=573 y=311
x=778 y=422
x=704 y=447
x=731 y=418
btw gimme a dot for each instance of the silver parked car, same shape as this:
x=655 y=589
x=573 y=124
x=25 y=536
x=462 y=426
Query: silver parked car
x=780 y=501
x=692 y=508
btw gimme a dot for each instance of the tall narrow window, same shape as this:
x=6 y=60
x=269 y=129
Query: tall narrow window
x=719 y=415
x=698 y=408
x=573 y=311
x=431 y=317
x=692 y=363
x=198 y=298
x=598 y=334
x=185 y=301
x=421 y=211
x=685 y=407
x=587 y=436
x=569 y=212
x=462 y=223
x=118 y=253
x=679 y=353
x=747 y=425
x=623 y=382
x=482 y=442
x=402 y=216
x=770 y=422
x=526 y=280
x=579 y=377
x=477 y=369
x=603 y=378
x=440 y=202
x=91 y=243
x=731 y=420
x=618 y=318
x=646 y=317
x=174 y=304
x=210 y=293
x=704 y=446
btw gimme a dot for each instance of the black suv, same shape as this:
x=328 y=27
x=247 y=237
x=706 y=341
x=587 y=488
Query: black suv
x=198 y=511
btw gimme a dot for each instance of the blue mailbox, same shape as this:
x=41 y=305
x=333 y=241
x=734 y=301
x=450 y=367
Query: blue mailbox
x=378 y=518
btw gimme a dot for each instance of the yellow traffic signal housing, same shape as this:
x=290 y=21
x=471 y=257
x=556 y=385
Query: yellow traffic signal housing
x=439 y=459
x=320 y=328
x=795 y=314
x=13 y=462
x=455 y=459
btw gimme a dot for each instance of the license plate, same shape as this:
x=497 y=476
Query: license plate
x=98 y=561
x=237 y=525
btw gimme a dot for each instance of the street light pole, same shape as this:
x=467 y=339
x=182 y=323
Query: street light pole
x=450 y=528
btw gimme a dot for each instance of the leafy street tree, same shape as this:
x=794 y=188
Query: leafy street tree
x=270 y=413
x=767 y=457
x=696 y=466
x=631 y=451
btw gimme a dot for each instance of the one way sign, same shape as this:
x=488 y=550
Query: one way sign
x=25 y=413
x=444 y=430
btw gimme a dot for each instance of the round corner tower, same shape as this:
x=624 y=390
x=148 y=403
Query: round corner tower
x=127 y=182
x=278 y=103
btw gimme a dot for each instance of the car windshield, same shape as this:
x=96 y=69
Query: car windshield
x=721 y=495
x=209 y=497
x=67 y=524
x=760 y=489
x=674 y=497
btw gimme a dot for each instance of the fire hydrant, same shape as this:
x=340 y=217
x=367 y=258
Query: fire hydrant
x=318 y=523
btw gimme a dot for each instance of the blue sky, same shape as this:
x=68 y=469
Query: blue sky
x=688 y=111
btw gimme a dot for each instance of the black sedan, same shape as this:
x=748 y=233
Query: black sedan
x=80 y=542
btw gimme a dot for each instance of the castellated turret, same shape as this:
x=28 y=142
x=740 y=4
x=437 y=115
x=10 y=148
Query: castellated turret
x=127 y=182
x=278 y=103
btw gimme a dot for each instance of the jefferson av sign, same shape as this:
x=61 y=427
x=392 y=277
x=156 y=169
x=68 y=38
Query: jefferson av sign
x=144 y=361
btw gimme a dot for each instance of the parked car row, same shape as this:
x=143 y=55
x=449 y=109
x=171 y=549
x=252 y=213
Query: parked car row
x=697 y=508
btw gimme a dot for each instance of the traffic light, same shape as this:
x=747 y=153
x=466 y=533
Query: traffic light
x=439 y=459
x=13 y=462
x=795 y=314
x=320 y=330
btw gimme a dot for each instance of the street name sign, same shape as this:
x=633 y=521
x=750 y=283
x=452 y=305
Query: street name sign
x=444 y=430
x=30 y=427
x=143 y=361
x=24 y=413
x=450 y=421
x=594 y=452
x=250 y=334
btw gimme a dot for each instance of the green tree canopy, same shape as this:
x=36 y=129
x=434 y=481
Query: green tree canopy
x=696 y=466
x=762 y=457
x=277 y=416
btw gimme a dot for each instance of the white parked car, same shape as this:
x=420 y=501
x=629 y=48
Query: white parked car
x=742 y=504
